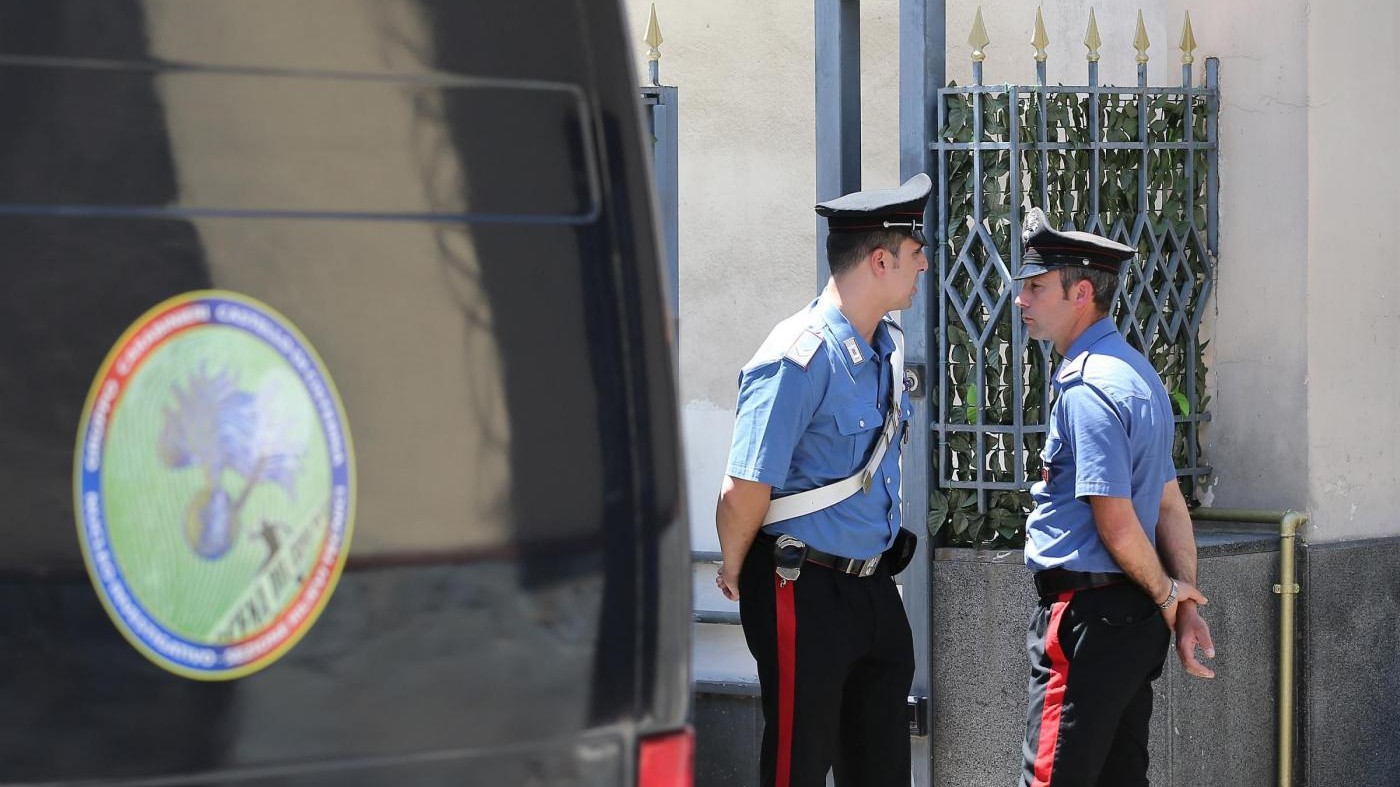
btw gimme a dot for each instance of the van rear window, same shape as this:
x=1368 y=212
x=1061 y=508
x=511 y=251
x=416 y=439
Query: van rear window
x=267 y=142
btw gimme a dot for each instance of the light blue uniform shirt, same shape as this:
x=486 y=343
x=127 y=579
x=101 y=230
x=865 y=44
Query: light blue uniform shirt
x=1110 y=435
x=812 y=401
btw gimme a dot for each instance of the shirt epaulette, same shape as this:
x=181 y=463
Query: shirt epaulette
x=1073 y=372
x=804 y=347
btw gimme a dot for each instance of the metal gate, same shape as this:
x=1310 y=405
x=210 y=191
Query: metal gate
x=1136 y=164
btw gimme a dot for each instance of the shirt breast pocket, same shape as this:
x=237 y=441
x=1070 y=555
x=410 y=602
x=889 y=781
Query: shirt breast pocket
x=1055 y=459
x=859 y=424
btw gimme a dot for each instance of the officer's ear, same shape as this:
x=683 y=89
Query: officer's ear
x=879 y=259
x=1083 y=292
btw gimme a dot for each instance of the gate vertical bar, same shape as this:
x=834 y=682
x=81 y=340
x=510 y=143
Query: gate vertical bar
x=1092 y=41
x=1213 y=157
x=838 y=108
x=921 y=74
x=1013 y=198
x=979 y=220
x=1192 y=340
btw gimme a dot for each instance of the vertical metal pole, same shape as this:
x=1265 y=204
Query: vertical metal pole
x=1043 y=136
x=665 y=116
x=1144 y=106
x=921 y=74
x=1213 y=159
x=1096 y=152
x=838 y=108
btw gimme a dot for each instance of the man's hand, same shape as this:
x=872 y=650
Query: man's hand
x=1191 y=633
x=1185 y=591
x=728 y=581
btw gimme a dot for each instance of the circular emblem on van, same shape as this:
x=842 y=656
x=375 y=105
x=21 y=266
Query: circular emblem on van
x=214 y=484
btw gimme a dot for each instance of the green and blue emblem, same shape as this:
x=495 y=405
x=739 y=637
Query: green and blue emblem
x=214 y=485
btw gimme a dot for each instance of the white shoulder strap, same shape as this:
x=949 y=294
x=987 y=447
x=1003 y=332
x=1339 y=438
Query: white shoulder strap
x=804 y=503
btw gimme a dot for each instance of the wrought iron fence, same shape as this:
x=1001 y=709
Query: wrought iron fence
x=1136 y=164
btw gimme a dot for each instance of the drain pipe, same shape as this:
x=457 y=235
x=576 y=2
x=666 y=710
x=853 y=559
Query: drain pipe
x=1289 y=523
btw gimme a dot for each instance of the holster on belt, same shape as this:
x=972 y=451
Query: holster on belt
x=788 y=555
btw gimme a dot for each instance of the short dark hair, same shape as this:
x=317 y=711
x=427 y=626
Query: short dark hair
x=844 y=250
x=1105 y=284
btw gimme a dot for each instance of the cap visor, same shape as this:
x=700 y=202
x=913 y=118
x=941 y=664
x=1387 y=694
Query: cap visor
x=1030 y=270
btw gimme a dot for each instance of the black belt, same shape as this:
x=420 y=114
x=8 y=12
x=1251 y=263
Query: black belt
x=1054 y=581
x=844 y=565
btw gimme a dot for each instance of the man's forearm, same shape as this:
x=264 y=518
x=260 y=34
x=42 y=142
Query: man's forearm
x=738 y=517
x=1123 y=537
x=1176 y=538
x=737 y=532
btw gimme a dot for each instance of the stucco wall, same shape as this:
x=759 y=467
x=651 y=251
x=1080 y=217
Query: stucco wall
x=747 y=171
x=1303 y=371
x=1258 y=440
x=747 y=184
x=1353 y=291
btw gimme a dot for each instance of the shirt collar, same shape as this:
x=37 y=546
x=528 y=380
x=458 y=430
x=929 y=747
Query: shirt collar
x=847 y=338
x=1093 y=333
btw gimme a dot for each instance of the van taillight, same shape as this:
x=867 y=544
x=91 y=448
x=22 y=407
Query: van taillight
x=667 y=760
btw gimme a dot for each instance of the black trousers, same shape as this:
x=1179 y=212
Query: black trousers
x=835 y=661
x=1094 y=655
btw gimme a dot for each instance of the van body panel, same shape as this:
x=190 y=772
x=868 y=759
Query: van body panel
x=452 y=202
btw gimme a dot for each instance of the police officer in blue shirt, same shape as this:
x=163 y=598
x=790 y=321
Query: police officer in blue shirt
x=808 y=515
x=1110 y=539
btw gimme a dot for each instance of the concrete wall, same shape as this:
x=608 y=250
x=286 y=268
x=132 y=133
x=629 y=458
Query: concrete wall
x=1350 y=649
x=981 y=603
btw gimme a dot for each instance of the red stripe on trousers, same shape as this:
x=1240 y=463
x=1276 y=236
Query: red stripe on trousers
x=1054 y=695
x=787 y=668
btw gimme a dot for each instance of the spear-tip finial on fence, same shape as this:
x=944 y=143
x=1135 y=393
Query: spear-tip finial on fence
x=1091 y=37
x=1039 y=40
x=653 y=40
x=1140 y=42
x=978 y=39
x=1188 y=42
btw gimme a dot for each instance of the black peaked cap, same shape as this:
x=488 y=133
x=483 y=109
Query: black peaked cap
x=1047 y=249
x=868 y=211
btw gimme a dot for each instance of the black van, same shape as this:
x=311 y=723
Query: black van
x=337 y=418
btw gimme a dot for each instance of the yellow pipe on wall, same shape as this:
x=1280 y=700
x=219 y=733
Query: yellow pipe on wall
x=1289 y=523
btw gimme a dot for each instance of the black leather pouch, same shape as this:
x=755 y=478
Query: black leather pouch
x=899 y=554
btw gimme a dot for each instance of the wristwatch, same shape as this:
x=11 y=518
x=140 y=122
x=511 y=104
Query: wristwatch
x=1171 y=597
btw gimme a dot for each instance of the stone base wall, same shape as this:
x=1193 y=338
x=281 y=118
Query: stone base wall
x=1204 y=732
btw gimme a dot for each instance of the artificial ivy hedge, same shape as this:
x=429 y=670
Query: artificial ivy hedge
x=1176 y=211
